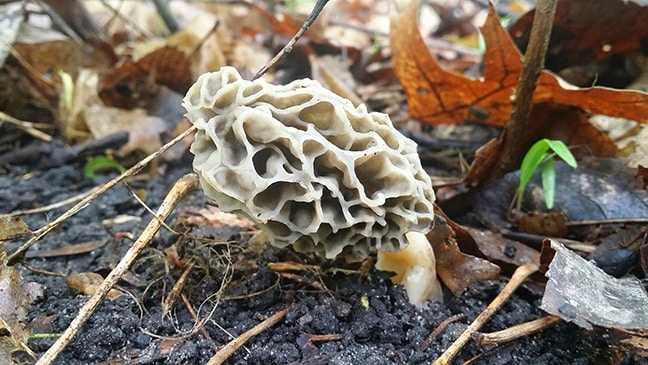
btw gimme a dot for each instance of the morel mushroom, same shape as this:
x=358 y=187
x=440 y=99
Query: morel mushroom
x=314 y=171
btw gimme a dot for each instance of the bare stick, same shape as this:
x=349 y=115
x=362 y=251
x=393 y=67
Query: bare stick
x=520 y=274
x=40 y=233
x=606 y=221
x=512 y=333
x=185 y=185
x=53 y=206
x=440 y=328
x=317 y=9
x=532 y=66
x=223 y=354
x=28 y=127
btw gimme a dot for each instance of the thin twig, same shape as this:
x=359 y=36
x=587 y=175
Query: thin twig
x=199 y=323
x=518 y=278
x=515 y=332
x=607 y=221
x=317 y=9
x=223 y=354
x=53 y=206
x=40 y=233
x=185 y=185
x=442 y=326
x=28 y=127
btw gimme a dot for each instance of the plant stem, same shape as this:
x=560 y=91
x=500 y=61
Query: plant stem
x=532 y=66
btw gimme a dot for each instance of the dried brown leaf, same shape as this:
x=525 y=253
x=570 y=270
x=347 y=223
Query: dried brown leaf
x=436 y=96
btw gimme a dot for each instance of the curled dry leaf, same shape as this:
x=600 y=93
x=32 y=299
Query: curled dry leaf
x=135 y=82
x=457 y=270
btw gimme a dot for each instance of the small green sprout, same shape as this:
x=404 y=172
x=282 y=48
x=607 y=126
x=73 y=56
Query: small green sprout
x=542 y=154
x=100 y=163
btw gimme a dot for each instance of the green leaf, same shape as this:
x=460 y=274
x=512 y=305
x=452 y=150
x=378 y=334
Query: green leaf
x=563 y=152
x=549 y=182
x=100 y=163
x=537 y=153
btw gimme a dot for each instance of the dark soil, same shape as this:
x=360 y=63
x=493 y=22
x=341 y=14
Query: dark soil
x=374 y=322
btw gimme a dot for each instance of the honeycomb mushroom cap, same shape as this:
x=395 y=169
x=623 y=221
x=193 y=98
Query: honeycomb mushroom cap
x=314 y=171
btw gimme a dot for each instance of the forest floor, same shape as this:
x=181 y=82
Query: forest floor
x=332 y=317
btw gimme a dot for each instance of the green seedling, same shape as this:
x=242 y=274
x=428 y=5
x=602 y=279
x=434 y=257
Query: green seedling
x=100 y=163
x=542 y=154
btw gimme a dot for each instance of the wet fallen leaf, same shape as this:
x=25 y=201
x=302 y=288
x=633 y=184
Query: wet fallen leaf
x=600 y=188
x=436 y=96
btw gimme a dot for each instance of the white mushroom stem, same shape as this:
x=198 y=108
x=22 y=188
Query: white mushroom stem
x=415 y=269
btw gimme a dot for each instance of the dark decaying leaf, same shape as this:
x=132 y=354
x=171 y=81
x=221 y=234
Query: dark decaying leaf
x=457 y=270
x=585 y=31
x=619 y=252
x=507 y=253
